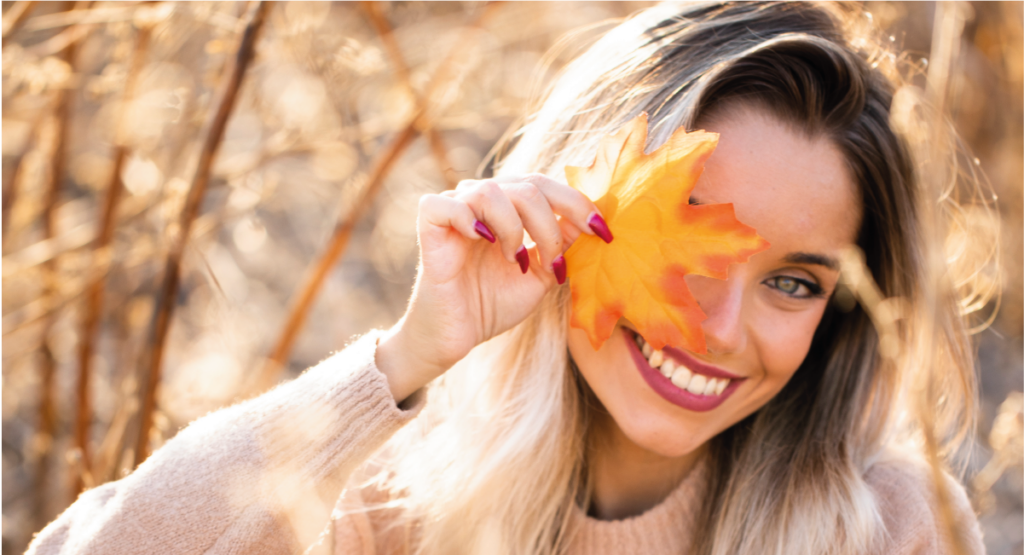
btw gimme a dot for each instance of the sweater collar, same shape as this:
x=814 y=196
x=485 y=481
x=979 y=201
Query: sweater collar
x=664 y=528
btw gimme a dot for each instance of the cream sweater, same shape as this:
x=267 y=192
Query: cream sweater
x=263 y=477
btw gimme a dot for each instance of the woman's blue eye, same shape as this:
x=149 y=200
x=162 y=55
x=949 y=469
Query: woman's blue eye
x=794 y=287
x=787 y=285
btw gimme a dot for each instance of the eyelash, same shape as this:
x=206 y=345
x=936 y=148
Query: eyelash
x=815 y=290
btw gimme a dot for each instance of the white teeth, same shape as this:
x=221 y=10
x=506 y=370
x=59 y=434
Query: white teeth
x=656 y=359
x=681 y=377
x=668 y=367
x=697 y=384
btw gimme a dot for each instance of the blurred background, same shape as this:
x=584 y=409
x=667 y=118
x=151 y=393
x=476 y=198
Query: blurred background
x=201 y=199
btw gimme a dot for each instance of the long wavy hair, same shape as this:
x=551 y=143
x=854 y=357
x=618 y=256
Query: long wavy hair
x=496 y=464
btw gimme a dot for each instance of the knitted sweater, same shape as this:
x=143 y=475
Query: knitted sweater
x=262 y=477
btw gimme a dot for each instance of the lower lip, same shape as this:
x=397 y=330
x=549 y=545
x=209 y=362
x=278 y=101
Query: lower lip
x=664 y=386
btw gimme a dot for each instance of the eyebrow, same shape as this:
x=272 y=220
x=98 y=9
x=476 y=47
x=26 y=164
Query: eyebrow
x=812 y=258
x=798 y=257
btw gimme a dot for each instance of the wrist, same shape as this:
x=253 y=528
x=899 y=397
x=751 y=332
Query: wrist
x=402 y=363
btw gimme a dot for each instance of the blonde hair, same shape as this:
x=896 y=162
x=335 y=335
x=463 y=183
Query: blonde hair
x=497 y=461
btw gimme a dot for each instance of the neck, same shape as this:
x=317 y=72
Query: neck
x=628 y=479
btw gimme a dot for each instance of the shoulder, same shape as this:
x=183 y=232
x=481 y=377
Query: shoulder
x=914 y=517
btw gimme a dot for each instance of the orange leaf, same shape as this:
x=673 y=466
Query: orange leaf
x=659 y=238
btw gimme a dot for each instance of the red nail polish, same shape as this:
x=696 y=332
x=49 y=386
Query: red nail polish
x=558 y=267
x=523 y=258
x=598 y=225
x=484 y=231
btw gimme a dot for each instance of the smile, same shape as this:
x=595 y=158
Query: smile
x=681 y=379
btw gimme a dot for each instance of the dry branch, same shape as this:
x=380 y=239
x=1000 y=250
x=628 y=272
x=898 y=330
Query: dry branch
x=104 y=234
x=387 y=37
x=166 y=299
x=947 y=32
x=339 y=240
x=10 y=187
x=15 y=17
x=336 y=245
x=109 y=14
x=47 y=411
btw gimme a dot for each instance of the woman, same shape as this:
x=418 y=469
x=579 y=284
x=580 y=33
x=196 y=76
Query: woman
x=535 y=442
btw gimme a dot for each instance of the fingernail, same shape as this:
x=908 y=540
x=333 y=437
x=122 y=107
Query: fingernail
x=558 y=267
x=598 y=225
x=523 y=258
x=484 y=231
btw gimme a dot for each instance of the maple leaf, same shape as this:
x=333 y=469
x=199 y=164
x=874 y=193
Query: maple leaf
x=659 y=238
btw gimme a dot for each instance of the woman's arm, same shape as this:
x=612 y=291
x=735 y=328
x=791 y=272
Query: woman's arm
x=258 y=477
x=263 y=476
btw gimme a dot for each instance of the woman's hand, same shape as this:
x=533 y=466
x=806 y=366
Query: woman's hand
x=476 y=279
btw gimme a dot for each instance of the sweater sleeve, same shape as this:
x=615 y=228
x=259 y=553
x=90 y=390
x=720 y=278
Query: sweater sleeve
x=914 y=522
x=259 y=477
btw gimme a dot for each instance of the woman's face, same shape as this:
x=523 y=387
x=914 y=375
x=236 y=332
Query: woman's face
x=797 y=193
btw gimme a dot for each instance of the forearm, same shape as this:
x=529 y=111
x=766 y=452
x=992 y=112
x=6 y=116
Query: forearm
x=261 y=476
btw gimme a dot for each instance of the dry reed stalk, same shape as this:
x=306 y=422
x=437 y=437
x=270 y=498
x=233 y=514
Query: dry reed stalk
x=60 y=41
x=8 y=197
x=47 y=411
x=105 y=463
x=77 y=31
x=42 y=307
x=10 y=189
x=387 y=37
x=1006 y=439
x=166 y=298
x=45 y=249
x=57 y=170
x=15 y=17
x=68 y=18
x=946 y=34
x=44 y=436
x=884 y=315
x=43 y=441
x=336 y=245
x=10 y=192
x=104 y=235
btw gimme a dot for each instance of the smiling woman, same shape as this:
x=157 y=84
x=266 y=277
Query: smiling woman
x=796 y=191
x=786 y=436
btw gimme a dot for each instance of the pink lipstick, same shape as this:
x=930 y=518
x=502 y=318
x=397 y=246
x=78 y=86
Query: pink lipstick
x=670 y=392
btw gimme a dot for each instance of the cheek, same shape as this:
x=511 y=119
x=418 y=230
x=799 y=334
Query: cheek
x=783 y=343
x=598 y=368
x=580 y=349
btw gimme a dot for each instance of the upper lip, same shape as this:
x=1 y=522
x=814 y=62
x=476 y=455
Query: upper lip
x=696 y=366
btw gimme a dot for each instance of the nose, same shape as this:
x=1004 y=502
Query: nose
x=722 y=302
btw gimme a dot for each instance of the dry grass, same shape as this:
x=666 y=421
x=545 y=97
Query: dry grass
x=154 y=261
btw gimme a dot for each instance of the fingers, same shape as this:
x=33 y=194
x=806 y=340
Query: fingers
x=538 y=219
x=530 y=211
x=444 y=211
x=571 y=204
x=494 y=208
x=553 y=213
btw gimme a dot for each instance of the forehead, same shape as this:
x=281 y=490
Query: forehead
x=795 y=190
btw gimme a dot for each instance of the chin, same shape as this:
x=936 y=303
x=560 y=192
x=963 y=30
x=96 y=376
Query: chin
x=642 y=415
x=660 y=434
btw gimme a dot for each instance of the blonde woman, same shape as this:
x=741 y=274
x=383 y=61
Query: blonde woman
x=532 y=442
